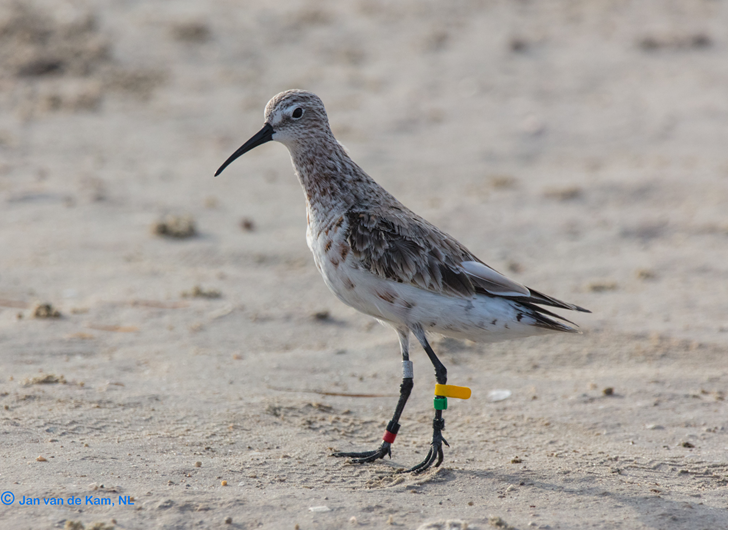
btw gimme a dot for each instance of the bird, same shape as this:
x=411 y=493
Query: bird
x=384 y=260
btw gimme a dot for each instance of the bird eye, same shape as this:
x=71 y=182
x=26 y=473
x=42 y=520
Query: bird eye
x=297 y=113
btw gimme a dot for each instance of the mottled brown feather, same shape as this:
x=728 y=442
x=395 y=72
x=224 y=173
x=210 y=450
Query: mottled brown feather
x=402 y=247
x=399 y=245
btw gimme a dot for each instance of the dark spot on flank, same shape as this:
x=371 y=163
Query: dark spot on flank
x=328 y=245
x=506 y=326
x=386 y=297
x=339 y=222
x=408 y=305
x=349 y=284
x=334 y=261
x=520 y=317
x=432 y=324
x=494 y=321
x=344 y=250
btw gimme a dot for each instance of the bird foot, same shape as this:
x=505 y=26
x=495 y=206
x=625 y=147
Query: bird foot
x=367 y=457
x=435 y=453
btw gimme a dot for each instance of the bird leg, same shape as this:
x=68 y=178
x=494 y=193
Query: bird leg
x=393 y=426
x=391 y=429
x=435 y=452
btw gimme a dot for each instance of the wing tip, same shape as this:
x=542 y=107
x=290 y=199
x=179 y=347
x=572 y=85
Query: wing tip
x=547 y=319
x=542 y=299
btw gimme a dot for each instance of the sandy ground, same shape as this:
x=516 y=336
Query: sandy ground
x=579 y=147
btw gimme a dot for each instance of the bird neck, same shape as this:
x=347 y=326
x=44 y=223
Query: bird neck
x=329 y=178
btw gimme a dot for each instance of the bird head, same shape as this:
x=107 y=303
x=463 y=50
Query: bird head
x=291 y=117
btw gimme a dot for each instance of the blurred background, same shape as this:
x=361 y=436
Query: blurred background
x=146 y=306
x=578 y=146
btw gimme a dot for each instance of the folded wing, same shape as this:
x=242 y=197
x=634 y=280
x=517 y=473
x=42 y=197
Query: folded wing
x=407 y=249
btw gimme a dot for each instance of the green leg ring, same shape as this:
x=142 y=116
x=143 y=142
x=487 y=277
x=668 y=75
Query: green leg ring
x=440 y=403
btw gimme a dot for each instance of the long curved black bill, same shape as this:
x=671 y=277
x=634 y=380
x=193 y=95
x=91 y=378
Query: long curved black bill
x=264 y=135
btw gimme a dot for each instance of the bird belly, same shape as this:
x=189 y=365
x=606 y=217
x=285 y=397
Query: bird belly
x=350 y=284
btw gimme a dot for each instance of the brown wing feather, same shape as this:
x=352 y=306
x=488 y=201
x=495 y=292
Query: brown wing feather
x=408 y=250
x=403 y=247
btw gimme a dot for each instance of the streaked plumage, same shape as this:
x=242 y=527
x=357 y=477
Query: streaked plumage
x=386 y=261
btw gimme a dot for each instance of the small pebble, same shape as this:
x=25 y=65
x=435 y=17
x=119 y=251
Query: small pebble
x=247 y=224
x=602 y=286
x=496 y=522
x=563 y=194
x=45 y=311
x=498 y=395
x=515 y=267
x=645 y=273
x=41 y=459
x=608 y=391
x=198 y=464
x=504 y=182
x=192 y=32
x=224 y=483
x=228 y=520
x=175 y=226
x=198 y=292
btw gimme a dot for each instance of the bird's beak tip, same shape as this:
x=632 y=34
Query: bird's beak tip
x=264 y=135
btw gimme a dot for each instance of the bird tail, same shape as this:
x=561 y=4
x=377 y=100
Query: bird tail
x=542 y=299
x=543 y=318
